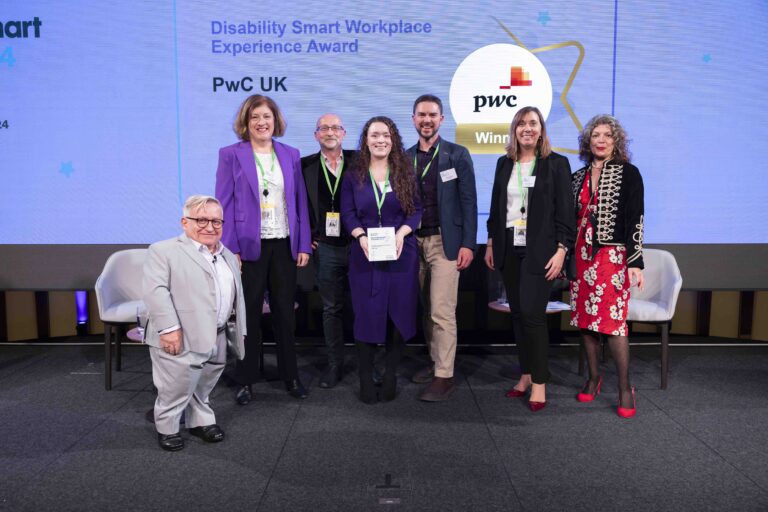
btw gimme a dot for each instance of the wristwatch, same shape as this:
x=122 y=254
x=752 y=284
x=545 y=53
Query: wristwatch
x=563 y=247
x=361 y=235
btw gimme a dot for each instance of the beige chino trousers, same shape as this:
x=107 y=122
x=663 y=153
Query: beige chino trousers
x=439 y=284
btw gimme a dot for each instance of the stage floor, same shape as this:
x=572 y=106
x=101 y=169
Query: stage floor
x=67 y=444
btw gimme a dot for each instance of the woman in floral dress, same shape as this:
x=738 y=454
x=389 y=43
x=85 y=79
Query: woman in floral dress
x=608 y=194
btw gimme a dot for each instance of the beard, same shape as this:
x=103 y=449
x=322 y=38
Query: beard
x=425 y=130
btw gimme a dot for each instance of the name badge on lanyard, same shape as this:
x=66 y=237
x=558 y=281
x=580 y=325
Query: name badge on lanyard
x=521 y=225
x=332 y=218
x=268 y=214
x=332 y=224
x=518 y=236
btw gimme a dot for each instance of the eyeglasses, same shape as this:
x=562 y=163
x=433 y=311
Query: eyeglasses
x=325 y=128
x=202 y=223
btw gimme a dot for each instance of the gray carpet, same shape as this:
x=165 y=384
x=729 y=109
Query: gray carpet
x=701 y=445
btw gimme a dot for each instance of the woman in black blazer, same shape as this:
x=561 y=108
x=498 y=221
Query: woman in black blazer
x=530 y=229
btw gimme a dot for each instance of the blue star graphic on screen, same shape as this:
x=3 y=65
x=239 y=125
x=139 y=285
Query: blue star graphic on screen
x=706 y=58
x=66 y=168
x=6 y=57
x=544 y=17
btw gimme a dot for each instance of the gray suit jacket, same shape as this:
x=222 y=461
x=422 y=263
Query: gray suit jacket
x=179 y=289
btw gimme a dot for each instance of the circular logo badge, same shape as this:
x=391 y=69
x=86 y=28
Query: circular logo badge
x=489 y=87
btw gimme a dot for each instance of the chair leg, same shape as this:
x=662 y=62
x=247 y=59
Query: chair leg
x=119 y=333
x=581 y=356
x=107 y=357
x=664 y=354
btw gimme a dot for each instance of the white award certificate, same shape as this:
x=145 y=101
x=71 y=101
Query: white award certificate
x=381 y=244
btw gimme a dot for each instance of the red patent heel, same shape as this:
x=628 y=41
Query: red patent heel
x=514 y=393
x=626 y=412
x=586 y=397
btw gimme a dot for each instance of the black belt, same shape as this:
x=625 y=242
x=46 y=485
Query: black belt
x=428 y=231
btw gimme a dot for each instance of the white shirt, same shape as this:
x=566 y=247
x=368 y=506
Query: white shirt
x=514 y=200
x=328 y=166
x=275 y=200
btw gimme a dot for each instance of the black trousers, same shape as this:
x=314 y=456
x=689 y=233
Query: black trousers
x=274 y=271
x=331 y=275
x=528 y=295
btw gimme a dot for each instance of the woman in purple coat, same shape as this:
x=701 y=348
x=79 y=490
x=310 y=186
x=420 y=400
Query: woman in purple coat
x=266 y=225
x=381 y=191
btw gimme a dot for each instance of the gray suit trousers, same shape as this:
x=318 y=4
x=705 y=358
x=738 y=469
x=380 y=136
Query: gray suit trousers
x=184 y=383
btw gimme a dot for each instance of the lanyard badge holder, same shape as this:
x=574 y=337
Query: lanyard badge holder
x=332 y=218
x=381 y=240
x=521 y=225
x=268 y=214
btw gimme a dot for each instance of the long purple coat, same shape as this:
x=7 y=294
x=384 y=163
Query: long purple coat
x=237 y=187
x=387 y=287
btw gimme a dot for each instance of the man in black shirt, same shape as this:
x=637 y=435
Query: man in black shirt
x=446 y=239
x=322 y=175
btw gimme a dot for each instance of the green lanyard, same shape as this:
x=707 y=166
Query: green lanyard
x=335 y=187
x=426 y=169
x=379 y=197
x=261 y=170
x=523 y=190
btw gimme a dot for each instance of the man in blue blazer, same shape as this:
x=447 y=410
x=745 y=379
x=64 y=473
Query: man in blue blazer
x=446 y=239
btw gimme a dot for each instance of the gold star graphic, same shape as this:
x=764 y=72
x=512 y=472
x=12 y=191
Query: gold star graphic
x=568 y=83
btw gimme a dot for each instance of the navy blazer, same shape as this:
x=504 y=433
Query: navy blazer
x=456 y=199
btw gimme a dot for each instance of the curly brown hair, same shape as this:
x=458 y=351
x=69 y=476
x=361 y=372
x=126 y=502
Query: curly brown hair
x=401 y=172
x=621 y=152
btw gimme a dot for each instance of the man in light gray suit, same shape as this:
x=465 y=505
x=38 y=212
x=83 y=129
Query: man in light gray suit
x=195 y=308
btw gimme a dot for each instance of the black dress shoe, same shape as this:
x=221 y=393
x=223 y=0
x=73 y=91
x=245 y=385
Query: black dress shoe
x=170 y=442
x=243 y=396
x=331 y=377
x=295 y=388
x=209 y=433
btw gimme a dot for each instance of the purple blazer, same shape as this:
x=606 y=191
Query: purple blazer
x=237 y=187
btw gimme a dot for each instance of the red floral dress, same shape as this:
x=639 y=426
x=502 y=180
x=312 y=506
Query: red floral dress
x=600 y=293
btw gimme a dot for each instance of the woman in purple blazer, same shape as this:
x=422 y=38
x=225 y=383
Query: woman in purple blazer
x=266 y=225
x=384 y=294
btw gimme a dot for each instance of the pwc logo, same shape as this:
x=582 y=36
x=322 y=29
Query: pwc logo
x=489 y=87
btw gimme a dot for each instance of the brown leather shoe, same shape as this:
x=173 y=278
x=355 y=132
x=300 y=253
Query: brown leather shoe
x=440 y=389
x=424 y=376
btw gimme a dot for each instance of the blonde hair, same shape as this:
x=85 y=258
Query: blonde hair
x=543 y=146
x=244 y=115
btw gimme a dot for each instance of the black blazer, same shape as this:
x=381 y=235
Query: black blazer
x=310 y=167
x=551 y=216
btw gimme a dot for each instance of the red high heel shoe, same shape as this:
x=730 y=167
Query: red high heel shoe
x=626 y=412
x=514 y=393
x=586 y=397
x=536 y=406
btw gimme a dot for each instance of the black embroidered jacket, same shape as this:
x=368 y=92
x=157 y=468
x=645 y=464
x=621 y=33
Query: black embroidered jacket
x=618 y=219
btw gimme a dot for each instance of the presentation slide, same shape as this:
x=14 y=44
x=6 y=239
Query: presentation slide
x=111 y=113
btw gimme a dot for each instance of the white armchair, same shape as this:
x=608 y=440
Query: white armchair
x=656 y=303
x=119 y=292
